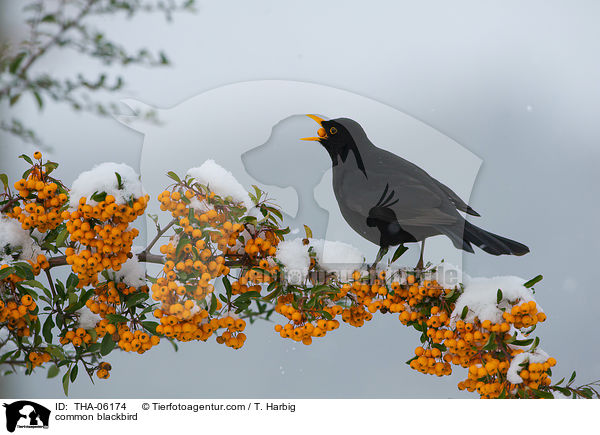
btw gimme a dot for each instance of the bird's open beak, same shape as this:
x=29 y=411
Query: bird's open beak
x=321 y=132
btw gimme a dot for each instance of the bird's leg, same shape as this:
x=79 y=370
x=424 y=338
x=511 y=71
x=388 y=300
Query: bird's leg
x=420 y=263
x=380 y=254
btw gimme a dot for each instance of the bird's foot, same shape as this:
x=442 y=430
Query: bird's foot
x=380 y=254
x=373 y=267
x=419 y=265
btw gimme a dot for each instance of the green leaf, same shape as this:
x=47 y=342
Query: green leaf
x=135 y=299
x=47 y=329
x=26 y=158
x=72 y=281
x=98 y=196
x=119 y=181
x=439 y=346
x=326 y=315
x=60 y=289
x=34 y=283
x=50 y=18
x=5 y=356
x=525 y=342
x=107 y=345
x=398 y=253
x=246 y=296
x=56 y=352
x=491 y=343
x=464 y=312
x=572 y=378
x=75 y=304
x=50 y=166
x=116 y=318
x=62 y=236
x=175 y=347
x=24 y=270
x=38 y=99
x=213 y=304
x=65 y=382
x=53 y=371
x=499 y=297
x=4 y=179
x=6 y=271
x=227 y=286
x=93 y=347
x=450 y=294
x=274 y=293
x=173 y=176
x=150 y=326
x=564 y=391
x=74 y=372
x=533 y=281
x=542 y=394
x=535 y=344
x=13 y=100
x=411 y=360
x=14 y=65
x=277 y=213
x=182 y=242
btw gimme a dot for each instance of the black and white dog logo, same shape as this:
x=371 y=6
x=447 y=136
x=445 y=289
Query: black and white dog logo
x=26 y=414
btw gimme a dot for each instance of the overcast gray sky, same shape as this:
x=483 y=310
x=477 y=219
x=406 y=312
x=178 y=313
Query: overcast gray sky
x=513 y=82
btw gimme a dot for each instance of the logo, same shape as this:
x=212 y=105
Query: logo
x=26 y=414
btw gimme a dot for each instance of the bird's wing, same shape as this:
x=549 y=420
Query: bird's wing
x=413 y=201
x=459 y=203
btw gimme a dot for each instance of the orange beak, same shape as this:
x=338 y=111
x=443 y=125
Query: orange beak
x=321 y=132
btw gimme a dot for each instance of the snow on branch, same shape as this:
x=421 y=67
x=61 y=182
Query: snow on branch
x=117 y=179
x=15 y=242
x=220 y=181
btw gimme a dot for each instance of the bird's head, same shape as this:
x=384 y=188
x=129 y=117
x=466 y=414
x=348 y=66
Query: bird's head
x=332 y=134
x=341 y=137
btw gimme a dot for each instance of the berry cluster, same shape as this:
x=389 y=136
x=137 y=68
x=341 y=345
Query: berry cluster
x=109 y=299
x=206 y=233
x=41 y=262
x=305 y=322
x=233 y=337
x=102 y=235
x=484 y=348
x=78 y=337
x=195 y=327
x=19 y=314
x=135 y=341
x=103 y=371
x=38 y=358
x=42 y=199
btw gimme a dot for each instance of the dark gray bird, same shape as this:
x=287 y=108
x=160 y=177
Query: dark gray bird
x=390 y=201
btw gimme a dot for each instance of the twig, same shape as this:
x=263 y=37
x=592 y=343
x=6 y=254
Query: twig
x=47 y=271
x=66 y=26
x=143 y=257
x=159 y=234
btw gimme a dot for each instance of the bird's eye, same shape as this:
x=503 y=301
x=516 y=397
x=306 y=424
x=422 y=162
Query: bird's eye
x=333 y=130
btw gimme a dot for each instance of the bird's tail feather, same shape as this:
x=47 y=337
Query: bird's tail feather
x=492 y=243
